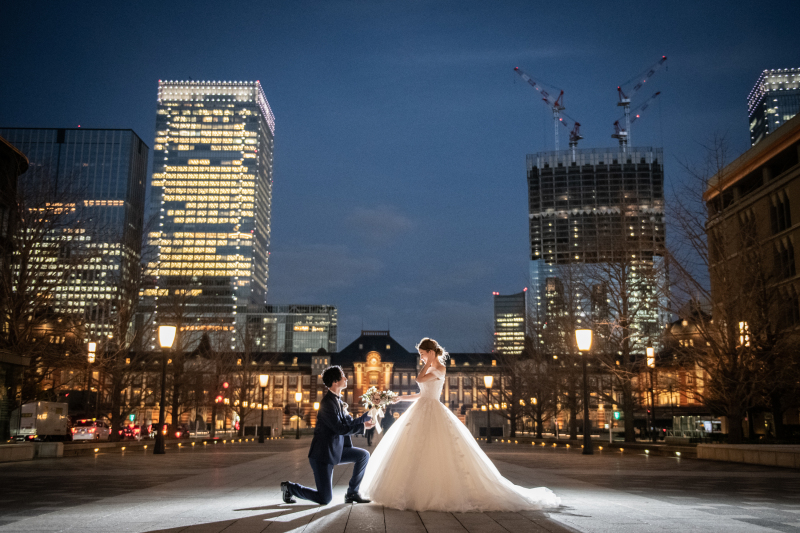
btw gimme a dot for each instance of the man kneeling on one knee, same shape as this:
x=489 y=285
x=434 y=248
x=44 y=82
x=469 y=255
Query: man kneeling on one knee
x=332 y=446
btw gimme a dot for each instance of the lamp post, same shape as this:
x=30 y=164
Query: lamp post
x=298 y=396
x=90 y=358
x=584 y=339
x=316 y=413
x=651 y=364
x=166 y=336
x=487 y=381
x=263 y=380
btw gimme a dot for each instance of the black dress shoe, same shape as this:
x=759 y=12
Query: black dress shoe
x=287 y=496
x=355 y=498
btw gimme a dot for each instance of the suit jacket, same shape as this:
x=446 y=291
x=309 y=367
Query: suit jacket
x=333 y=431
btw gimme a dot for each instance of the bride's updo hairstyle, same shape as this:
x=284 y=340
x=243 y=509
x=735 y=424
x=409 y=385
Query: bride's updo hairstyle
x=430 y=345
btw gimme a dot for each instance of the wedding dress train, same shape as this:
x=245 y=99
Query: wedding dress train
x=428 y=461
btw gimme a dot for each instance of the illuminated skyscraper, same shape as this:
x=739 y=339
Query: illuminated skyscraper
x=510 y=322
x=100 y=174
x=212 y=193
x=774 y=100
x=290 y=328
x=594 y=207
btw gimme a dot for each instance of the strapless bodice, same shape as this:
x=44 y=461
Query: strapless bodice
x=433 y=388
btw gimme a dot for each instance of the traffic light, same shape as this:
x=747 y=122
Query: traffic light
x=617 y=415
x=132 y=417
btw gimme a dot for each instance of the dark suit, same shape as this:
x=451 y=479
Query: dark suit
x=331 y=446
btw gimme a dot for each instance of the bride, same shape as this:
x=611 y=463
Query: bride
x=428 y=461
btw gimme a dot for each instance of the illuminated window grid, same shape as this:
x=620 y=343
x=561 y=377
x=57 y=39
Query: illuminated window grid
x=203 y=194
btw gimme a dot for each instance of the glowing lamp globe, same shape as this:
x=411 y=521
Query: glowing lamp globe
x=584 y=339
x=166 y=336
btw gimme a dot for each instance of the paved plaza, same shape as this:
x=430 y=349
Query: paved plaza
x=235 y=489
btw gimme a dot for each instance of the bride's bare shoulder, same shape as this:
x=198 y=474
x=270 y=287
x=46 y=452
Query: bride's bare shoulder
x=439 y=366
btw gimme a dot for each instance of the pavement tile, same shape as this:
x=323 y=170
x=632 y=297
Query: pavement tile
x=402 y=521
x=234 y=490
x=436 y=522
x=479 y=523
x=365 y=518
x=331 y=519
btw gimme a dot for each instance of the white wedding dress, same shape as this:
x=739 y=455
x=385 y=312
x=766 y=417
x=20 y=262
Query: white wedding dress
x=428 y=461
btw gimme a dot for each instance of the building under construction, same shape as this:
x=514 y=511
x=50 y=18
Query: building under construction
x=593 y=206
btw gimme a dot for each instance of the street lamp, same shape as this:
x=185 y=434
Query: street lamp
x=487 y=381
x=90 y=358
x=298 y=396
x=316 y=413
x=166 y=337
x=263 y=380
x=584 y=339
x=651 y=364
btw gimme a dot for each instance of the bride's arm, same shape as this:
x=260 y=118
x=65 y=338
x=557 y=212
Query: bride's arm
x=407 y=398
x=431 y=376
x=424 y=370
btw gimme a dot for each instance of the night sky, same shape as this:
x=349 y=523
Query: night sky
x=401 y=128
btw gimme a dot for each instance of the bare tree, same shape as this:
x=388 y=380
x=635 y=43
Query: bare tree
x=245 y=377
x=122 y=362
x=627 y=294
x=511 y=390
x=748 y=353
x=539 y=375
x=48 y=253
x=565 y=310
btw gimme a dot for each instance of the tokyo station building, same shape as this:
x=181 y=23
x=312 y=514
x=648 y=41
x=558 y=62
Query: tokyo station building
x=373 y=359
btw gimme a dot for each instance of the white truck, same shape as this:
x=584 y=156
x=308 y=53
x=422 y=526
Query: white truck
x=40 y=421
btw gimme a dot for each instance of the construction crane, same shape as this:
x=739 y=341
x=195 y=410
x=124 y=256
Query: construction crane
x=557 y=106
x=625 y=99
x=624 y=134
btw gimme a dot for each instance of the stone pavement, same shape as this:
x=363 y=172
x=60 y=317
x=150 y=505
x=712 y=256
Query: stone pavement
x=235 y=489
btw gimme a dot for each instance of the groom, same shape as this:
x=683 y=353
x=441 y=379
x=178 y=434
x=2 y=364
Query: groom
x=331 y=446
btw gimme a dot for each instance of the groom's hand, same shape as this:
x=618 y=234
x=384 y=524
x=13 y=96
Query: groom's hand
x=369 y=425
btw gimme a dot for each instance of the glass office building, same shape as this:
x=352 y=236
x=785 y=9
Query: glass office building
x=596 y=206
x=774 y=100
x=292 y=328
x=510 y=322
x=212 y=192
x=102 y=173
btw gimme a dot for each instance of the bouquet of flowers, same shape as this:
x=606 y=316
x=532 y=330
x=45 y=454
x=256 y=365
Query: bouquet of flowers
x=375 y=401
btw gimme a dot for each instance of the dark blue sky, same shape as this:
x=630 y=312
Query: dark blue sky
x=400 y=188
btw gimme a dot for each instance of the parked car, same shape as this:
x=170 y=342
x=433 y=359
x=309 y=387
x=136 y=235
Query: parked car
x=90 y=429
x=131 y=432
x=170 y=431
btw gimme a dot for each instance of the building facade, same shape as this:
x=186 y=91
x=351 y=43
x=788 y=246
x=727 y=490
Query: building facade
x=774 y=99
x=292 y=328
x=752 y=229
x=212 y=193
x=510 y=322
x=12 y=164
x=101 y=174
x=373 y=359
x=594 y=207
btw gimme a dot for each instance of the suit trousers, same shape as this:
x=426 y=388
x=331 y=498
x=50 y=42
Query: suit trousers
x=323 y=477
